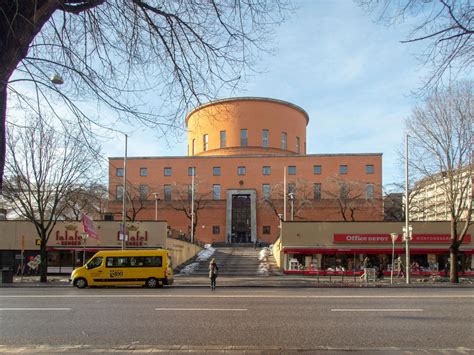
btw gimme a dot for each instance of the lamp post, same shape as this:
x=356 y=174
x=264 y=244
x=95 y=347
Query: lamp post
x=84 y=237
x=291 y=197
x=394 y=238
x=192 y=204
x=155 y=194
x=407 y=233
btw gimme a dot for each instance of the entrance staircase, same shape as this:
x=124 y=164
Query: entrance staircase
x=237 y=262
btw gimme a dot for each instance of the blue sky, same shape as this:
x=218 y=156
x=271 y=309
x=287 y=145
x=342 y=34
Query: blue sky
x=352 y=75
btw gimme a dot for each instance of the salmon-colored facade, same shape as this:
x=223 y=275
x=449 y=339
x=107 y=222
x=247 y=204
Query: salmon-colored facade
x=240 y=149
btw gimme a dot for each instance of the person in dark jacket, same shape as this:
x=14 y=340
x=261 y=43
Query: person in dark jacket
x=213 y=273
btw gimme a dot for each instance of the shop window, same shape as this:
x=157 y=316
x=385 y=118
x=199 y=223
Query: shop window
x=266 y=230
x=167 y=194
x=216 y=229
x=216 y=171
x=369 y=169
x=265 y=138
x=119 y=172
x=223 y=139
x=292 y=170
x=343 y=169
x=168 y=171
x=241 y=170
x=143 y=171
x=266 y=170
x=317 y=169
x=243 y=137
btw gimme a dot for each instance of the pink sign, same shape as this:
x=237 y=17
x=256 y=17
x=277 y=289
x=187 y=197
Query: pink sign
x=385 y=238
x=89 y=227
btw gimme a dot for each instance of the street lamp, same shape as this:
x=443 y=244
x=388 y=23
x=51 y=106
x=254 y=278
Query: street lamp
x=291 y=197
x=84 y=237
x=155 y=194
x=407 y=228
x=394 y=238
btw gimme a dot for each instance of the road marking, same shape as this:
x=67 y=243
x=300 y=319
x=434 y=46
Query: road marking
x=35 y=309
x=203 y=309
x=377 y=310
x=243 y=296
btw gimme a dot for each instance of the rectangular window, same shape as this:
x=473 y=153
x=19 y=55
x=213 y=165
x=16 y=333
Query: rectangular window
x=241 y=170
x=292 y=170
x=298 y=145
x=343 y=169
x=265 y=138
x=317 y=169
x=143 y=191
x=119 y=192
x=168 y=171
x=266 y=230
x=266 y=191
x=243 y=137
x=193 y=147
x=370 y=191
x=369 y=169
x=216 y=229
x=291 y=188
x=143 y=172
x=343 y=192
x=266 y=170
x=216 y=171
x=317 y=192
x=190 y=192
x=167 y=192
x=223 y=137
x=205 y=142
x=192 y=171
x=119 y=172
x=134 y=261
x=216 y=192
x=283 y=140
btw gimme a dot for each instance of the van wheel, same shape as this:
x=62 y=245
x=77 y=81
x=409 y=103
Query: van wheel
x=80 y=283
x=151 y=282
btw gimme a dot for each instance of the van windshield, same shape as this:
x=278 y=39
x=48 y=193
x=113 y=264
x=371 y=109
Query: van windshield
x=93 y=263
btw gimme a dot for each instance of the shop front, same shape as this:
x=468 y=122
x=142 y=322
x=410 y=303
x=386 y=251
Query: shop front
x=340 y=248
x=67 y=248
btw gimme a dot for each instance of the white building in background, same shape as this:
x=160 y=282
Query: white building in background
x=429 y=200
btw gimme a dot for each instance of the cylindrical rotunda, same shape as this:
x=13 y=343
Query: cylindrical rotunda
x=247 y=125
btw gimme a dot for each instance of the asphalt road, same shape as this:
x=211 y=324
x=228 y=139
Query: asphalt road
x=385 y=320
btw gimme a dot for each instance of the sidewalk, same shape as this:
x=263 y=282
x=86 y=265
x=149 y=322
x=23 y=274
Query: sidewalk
x=286 y=281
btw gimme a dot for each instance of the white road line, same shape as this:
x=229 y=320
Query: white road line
x=35 y=309
x=245 y=296
x=377 y=310
x=203 y=309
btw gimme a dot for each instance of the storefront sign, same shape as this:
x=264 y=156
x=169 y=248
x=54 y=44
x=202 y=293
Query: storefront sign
x=70 y=237
x=385 y=238
x=135 y=237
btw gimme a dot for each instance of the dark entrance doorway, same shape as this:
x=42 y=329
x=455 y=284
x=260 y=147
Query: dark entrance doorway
x=241 y=225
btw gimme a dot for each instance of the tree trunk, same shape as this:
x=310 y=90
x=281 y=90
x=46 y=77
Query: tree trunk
x=453 y=254
x=44 y=259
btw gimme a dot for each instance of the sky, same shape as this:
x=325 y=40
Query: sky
x=351 y=74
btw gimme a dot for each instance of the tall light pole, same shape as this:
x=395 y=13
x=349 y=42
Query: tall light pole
x=284 y=193
x=155 y=194
x=192 y=204
x=124 y=201
x=407 y=217
x=394 y=237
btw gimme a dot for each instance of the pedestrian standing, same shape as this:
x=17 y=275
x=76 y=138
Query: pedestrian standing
x=401 y=268
x=213 y=273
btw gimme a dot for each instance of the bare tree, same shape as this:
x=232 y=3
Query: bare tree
x=184 y=52
x=441 y=140
x=181 y=201
x=91 y=199
x=446 y=26
x=44 y=167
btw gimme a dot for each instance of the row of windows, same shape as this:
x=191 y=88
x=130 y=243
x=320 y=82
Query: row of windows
x=266 y=191
x=241 y=170
x=244 y=140
x=217 y=230
x=134 y=261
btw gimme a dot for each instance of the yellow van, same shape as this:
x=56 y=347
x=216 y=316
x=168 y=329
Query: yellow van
x=150 y=268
